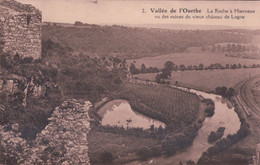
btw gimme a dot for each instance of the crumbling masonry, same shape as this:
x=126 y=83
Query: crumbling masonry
x=20 y=29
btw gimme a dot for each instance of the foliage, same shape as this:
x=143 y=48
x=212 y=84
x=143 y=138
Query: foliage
x=32 y=118
x=214 y=136
x=210 y=111
x=133 y=69
x=174 y=142
x=84 y=77
x=169 y=65
x=144 y=153
x=78 y=23
x=119 y=40
x=143 y=69
x=224 y=92
x=223 y=144
x=156 y=151
x=106 y=157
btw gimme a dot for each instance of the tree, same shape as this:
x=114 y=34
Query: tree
x=227 y=66
x=158 y=78
x=190 y=67
x=182 y=67
x=201 y=66
x=221 y=90
x=143 y=68
x=234 y=66
x=78 y=23
x=133 y=69
x=195 y=67
x=169 y=65
x=165 y=74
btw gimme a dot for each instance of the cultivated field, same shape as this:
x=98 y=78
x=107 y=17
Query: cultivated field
x=207 y=80
x=193 y=58
x=169 y=105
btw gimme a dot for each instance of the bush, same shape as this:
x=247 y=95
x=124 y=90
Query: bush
x=144 y=153
x=156 y=151
x=106 y=157
x=209 y=111
x=169 y=144
x=216 y=135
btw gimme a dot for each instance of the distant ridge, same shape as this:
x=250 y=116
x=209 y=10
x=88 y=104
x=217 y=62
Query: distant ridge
x=190 y=27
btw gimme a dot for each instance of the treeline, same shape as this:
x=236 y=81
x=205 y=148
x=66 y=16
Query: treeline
x=182 y=67
x=210 y=107
x=175 y=142
x=133 y=43
x=228 y=48
x=235 y=50
x=143 y=69
x=225 y=92
x=152 y=132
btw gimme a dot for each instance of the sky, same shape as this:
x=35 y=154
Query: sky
x=130 y=12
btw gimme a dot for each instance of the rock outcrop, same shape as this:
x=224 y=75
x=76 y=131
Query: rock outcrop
x=63 y=141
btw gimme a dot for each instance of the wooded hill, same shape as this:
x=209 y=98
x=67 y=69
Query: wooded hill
x=132 y=43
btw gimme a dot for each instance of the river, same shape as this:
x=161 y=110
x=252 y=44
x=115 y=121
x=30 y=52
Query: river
x=224 y=117
x=119 y=112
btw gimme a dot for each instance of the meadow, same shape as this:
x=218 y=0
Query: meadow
x=191 y=58
x=206 y=80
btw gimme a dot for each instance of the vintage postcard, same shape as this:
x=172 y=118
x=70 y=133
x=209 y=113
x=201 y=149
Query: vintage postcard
x=129 y=82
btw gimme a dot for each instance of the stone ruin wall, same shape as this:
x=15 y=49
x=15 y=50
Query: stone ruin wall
x=20 y=29
x=63 y=141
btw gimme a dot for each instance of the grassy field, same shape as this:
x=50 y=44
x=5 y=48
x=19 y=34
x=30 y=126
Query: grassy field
x=169 y=105
x=192 y=58
x=207 y=80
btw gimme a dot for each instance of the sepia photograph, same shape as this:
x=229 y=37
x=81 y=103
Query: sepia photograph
x=129 y=82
